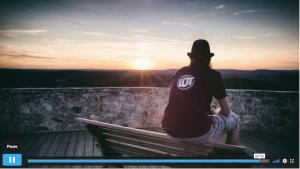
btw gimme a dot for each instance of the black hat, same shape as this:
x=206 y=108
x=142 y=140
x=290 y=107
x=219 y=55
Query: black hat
x=200 y=49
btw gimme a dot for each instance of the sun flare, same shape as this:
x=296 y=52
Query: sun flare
x=142 y=64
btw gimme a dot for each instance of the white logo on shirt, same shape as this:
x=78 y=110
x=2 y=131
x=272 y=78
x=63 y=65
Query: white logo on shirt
x=185 y=82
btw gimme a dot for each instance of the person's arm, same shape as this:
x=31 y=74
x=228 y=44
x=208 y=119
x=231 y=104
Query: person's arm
x=224 y=104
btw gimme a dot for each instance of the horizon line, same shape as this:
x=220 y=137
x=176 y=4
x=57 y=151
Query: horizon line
x=149 y=69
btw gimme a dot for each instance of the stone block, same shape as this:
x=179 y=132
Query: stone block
x=105 y=99
x=138 y=98
x=115 y=107
x=248 y=101
x=110 y=115
x=70 y=118
x=119 y=122
x=41 y=128
x=76 y=109
x=24 y=109
x=138 y=107
x=279 y=122
x=58 y=117
x=93 y=99
x=48 y=107
x=94 y=117
x=249 y=118
x=135 y=124
x=268 y=101
x=103 y=107
x=80 y=101
x=266 y=119
x=37 y=118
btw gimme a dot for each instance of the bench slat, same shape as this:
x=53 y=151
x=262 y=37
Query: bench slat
x=161 y=147
x=121 y=128
x=186 y=145
x=155 y=135
x=125 y=152
x=139 y=149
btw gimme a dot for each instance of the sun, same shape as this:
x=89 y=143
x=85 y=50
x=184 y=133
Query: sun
x=142 y=64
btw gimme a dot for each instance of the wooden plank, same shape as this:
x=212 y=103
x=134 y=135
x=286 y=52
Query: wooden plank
x=251 y=146
x=124 y=129
x=79 y=151
x=58 y=131
x=62 y=147
x=97 y=153
x=72 y=144
x=270 y=150
x=44 y=148
x=143 y=166
x=159 y=130
x=36 y=147
x=138 y=149
x=53 y=147
x=192 y=145
x=154 y=166
x=70 y=151
x=81 y=136
x=150 y=129
x=154 y=134
x=29 y=146
x=187 y=146
x=282 y=144
x=125 y=152
x=88 y=148
x=165 y=167
x=156 y=146
x=130 y=166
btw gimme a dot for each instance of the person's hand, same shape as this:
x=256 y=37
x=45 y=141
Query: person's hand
x=213 y=110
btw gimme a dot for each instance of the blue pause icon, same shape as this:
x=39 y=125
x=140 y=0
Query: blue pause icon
x=276 y=161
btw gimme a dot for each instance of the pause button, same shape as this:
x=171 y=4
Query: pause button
x=12 y=159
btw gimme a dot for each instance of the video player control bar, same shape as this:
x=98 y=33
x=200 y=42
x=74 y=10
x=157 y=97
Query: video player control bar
x=147 y=161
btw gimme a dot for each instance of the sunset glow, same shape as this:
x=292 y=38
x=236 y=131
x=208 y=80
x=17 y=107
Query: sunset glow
x=149 y=34
x=142 y=64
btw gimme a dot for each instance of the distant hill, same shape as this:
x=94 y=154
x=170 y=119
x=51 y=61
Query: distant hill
x=282 y=80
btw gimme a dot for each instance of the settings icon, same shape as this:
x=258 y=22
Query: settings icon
x=284 y=161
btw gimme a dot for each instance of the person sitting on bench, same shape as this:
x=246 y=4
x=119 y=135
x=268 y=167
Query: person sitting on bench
x=189 y=115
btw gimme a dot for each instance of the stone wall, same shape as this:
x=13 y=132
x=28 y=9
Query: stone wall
x=30 y=110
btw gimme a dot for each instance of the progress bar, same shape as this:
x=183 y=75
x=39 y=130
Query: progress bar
x=147 y=161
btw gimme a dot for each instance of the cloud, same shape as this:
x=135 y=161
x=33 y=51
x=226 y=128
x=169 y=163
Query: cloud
x=192 y=3
x=221 y=38
x=175 y=23
x=219 y=7
x=245 y=37
x=58 y=40
x=27 y=56
x=143 y=30
x=250 y=11
x=17 y=32
x=102 y=34
x=269 y=35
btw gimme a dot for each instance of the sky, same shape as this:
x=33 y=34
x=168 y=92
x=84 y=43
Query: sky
x=148 y=34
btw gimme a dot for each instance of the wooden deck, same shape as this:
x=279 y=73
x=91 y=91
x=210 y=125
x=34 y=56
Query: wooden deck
x=80 y=143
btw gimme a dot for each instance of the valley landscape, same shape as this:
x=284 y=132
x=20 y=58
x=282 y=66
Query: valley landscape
x=278 y=80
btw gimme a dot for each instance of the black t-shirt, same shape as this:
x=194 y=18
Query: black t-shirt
x=189 y=101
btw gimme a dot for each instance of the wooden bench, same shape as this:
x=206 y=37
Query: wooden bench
x=115 y=140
